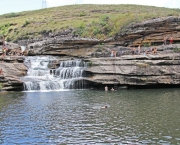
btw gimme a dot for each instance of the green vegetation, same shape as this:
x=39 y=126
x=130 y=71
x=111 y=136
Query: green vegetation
x=147 y=44
x=0 y=86
x=90 y=64
x=100 y=47
x=176 y=50
x=95 y=21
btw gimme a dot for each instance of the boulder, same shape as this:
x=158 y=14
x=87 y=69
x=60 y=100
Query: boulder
x=12 y=70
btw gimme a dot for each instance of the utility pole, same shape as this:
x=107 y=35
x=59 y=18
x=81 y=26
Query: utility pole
x=44 y=4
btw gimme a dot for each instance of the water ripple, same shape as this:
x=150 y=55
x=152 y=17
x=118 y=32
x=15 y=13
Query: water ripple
x=77 y=117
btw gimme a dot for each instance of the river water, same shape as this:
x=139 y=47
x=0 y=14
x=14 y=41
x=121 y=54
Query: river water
x=76 y=117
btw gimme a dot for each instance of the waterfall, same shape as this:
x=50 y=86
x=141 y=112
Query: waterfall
x=69 y=74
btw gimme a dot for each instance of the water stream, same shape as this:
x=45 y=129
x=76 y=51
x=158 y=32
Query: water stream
x=69 y=75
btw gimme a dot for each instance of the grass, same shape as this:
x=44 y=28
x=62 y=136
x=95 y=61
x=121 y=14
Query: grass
x=95 y=21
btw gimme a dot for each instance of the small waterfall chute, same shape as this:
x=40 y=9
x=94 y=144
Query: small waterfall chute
x=39 y=77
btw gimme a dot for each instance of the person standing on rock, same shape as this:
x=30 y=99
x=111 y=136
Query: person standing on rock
x=155 y=50
x=5 y=51
x=171 y=40
x=139 y=50
x=165 y=40
x=133 y=51
x=1 y=71
x=112 y=53
x=106 y=88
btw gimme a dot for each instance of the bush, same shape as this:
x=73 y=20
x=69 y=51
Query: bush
x=8 y=39
x=4 y=29
x=11 y=15
x=176 y=50
x=90 y=63
x=26 y=23
x=82 y=14
x=147 y=44
x=96 y=31
x=80 y=29
x=104 y=19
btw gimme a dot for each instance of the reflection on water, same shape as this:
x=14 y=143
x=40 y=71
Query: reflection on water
x=76 y=117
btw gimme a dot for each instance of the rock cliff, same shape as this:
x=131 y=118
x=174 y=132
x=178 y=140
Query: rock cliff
x=135 y=70
x=125 y=69
x=150 y=31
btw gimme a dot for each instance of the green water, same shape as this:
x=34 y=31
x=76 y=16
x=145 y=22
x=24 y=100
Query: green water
x=76 y=117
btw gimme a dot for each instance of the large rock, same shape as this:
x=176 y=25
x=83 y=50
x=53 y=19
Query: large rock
x=13 y=69
x=10 y=46
x=150 y=31
x=159 y=69
x=80 y=47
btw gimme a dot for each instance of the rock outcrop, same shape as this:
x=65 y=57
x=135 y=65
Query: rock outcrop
x=150 y=31
x=135 y=70
x=13 y=69
x=68 y=46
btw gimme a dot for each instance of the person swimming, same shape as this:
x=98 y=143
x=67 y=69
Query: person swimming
x=105 y=106
x=112 y=89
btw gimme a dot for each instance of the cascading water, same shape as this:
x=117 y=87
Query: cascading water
x=40 y=78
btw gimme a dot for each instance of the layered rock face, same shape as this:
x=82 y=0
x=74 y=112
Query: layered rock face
x=151 y=31
x=13 y=69
x=68 y=46
x=136 y=70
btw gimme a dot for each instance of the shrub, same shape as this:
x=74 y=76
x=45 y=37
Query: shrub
x=4 y=29
x=82 y=14
x=96 y=31
x=26 y=23
x=90 y=63
x=147 y=44
x=104 y=18
x=11 y=15
x=80 y=29
x=8 y=39
x=176 y=50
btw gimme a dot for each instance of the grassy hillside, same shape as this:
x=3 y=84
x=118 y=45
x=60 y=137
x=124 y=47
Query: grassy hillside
x=98 y=21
